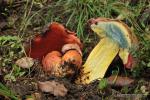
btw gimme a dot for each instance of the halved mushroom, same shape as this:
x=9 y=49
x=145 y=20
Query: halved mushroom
x=116 y=37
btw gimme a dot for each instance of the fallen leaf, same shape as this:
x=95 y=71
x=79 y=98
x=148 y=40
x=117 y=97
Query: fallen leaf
x=25 y=62
x=53 y=87
x=119 y=81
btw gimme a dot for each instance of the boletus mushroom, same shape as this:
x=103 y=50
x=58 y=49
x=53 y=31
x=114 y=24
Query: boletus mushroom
x=115 y=38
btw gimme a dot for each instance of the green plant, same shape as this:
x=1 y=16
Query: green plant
x=7 y=92
x=10 y=50
x=15 y=72
x=143 y=56
x=102 y=84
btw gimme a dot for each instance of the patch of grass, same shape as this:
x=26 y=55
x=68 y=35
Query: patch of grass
x=14 y=73
x=10 y=50
x=143 y=56
x=7 y=92
x=102 y=84
x=76 y=13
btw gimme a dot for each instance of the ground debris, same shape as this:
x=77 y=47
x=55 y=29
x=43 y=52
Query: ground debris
x=53 y=87
x=119 y=81
x=25 y=62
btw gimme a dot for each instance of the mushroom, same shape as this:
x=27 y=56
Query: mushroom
x=71 y=46
x=56 y=64
x=72 y=59
x=116 y=38
x=54 y=37
x=52 y=63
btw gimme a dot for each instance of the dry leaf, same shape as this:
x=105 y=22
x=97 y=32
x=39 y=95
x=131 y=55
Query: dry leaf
x=119 y=81
x=53 y=87
x=25 y=62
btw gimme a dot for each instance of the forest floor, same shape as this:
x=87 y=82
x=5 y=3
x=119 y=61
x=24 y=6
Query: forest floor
x=24 y=19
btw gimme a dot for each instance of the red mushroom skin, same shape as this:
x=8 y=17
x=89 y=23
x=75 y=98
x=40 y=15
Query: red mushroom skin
x=130 y=62
x=52 y=40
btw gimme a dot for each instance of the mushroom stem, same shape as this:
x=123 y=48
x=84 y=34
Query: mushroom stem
x=98 y=61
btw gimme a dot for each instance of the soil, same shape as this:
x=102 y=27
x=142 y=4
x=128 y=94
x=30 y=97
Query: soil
x=27 y=86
